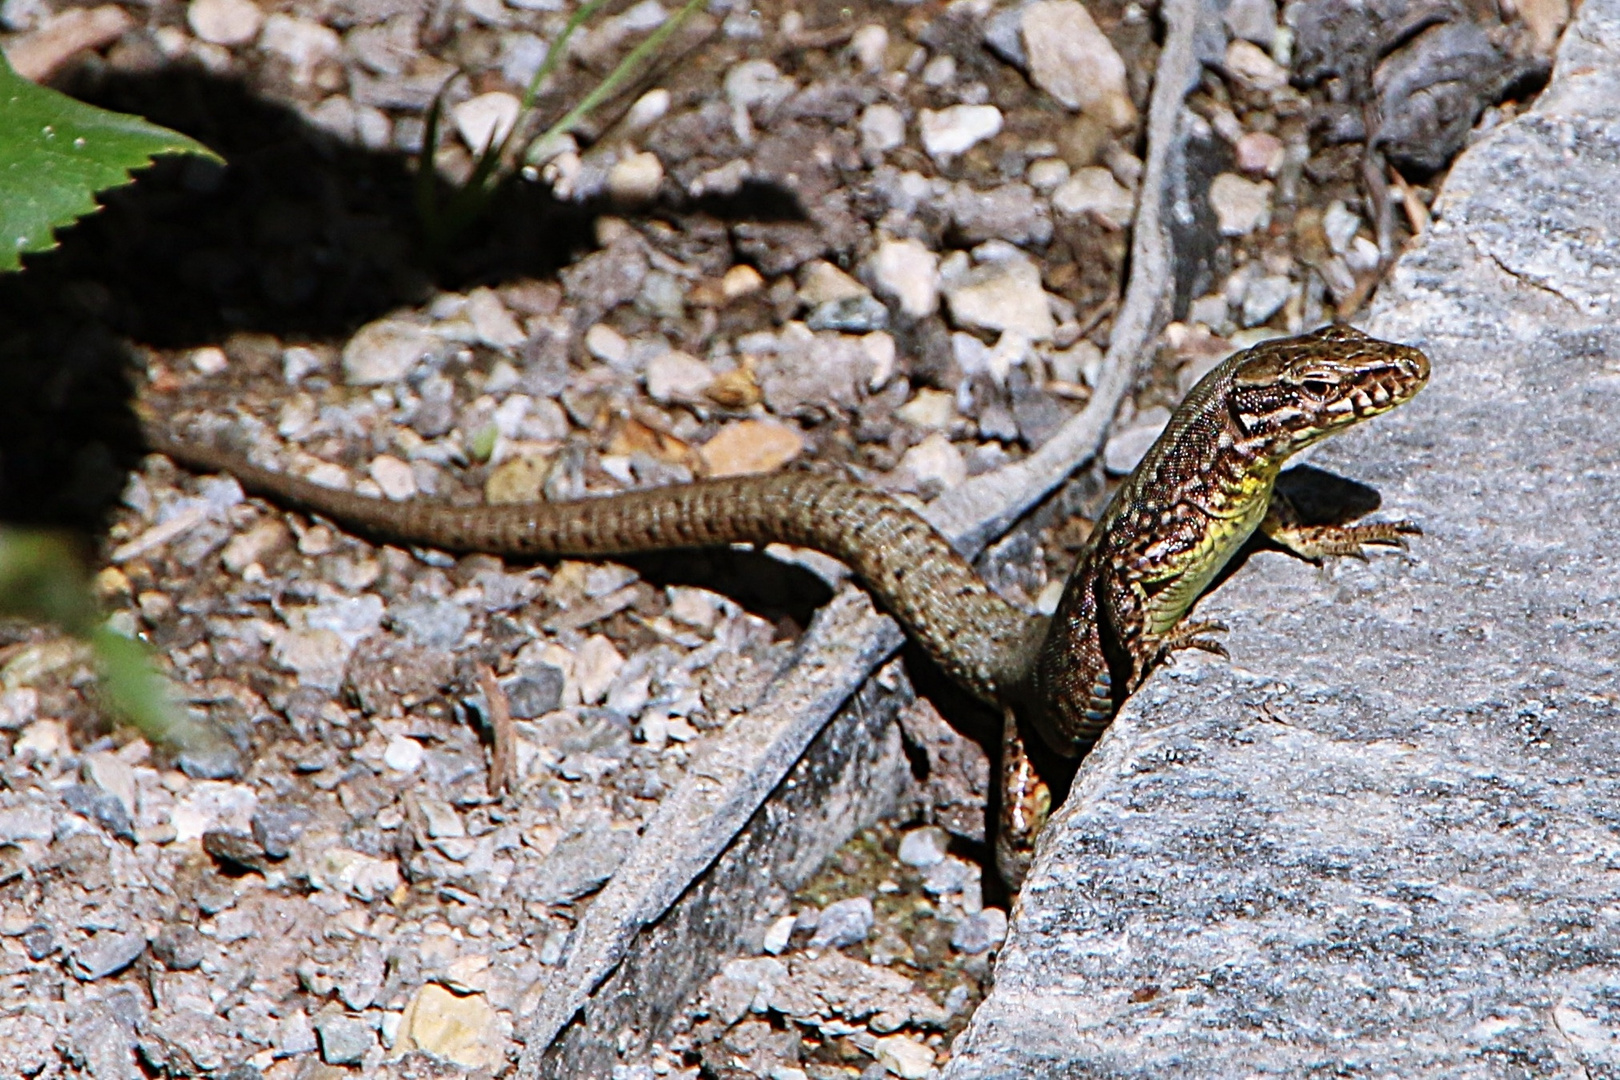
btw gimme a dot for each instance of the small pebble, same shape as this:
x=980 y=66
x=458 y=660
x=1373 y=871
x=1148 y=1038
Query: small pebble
x=980 y=932
x=751 y=446
x=904 y=1056
x=1094 y=190
x=779 y=934
x=924 y=847
x=225 y=22
x=394 y=476
x=907 y=271
x=209 y=360
x=883 y=128
x=845 y=922
x=344 y=1039
x=485 y=119
x=1265 y=297
x=951 y=132
x=635 y=180
x=1071 y=58
x=403 y=755
x=1240 y=205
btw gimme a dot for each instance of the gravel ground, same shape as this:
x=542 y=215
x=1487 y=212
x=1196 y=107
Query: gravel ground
x=881 y=239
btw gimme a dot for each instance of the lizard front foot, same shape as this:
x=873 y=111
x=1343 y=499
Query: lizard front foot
x=1317 y=542
x=1191 y=636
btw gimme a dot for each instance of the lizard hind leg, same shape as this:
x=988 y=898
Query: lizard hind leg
x=1026 y=802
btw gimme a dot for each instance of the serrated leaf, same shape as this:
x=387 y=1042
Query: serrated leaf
x=56 y=153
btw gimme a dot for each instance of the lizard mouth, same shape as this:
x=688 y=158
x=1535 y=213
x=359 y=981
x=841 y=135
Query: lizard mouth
x=1389 y=384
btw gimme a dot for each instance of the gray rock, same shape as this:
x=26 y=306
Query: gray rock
x=924 y=847
x=276 y=828
x=1253 y=20
x=107 y=953
x=1265 y=297
x=100 y=807
x=38 y=941
x=26 y=823
x=179 y=947
x=1011 y=212
x=102 y=1037
x=295 y=1035
x=345 y=1040
x=850 y=315
x=949 y=876
x=432 y=624
x=535 y=692
x=980 y=932
x=581 y=862
x=844 y=922
x=1380 y=839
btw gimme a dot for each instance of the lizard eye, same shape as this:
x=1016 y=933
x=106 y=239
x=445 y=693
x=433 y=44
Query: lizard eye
x=1317 y=388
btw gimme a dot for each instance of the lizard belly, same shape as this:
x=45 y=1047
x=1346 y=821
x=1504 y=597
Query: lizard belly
x=1225 y=534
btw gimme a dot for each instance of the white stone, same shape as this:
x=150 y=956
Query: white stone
x=44 y=740
x=930 y=409
x=1047 y=173
x=1240 y=205
x=939 y=71
x=394 y=476
x=1211 y=310
x=907 y=271
x=904 y=1056
x=649 y=108
x=492 y=323
x=303 y=44
x=1259 y=153
x=677 y=376
x=595 y=664
x=779 y=934
x=1251 y=65
x=934 y=460
x=485 y=119
x=209 y=360
x=403 y=755
x=880 y=348
x=386 y=351
x=1073 y=60
x=1003 y=295
x=607 y=345
x=824 y=283
x=883 y=128
x=636 y=179
x=1093 y=190
x=354 y=873
x=225 y=22
x=1362 y=256
x=950 y=132
x=868 y=45
x=754 y=83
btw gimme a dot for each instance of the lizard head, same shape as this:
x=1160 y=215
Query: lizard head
x=1291 y=393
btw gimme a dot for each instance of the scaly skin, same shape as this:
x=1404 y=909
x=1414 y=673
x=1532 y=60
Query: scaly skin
x=1201 y=491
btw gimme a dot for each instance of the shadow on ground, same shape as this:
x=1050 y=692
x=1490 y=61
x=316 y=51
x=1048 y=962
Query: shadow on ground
x=300 y=235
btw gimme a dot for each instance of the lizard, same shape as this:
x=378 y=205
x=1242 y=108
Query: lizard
x=1204 y=487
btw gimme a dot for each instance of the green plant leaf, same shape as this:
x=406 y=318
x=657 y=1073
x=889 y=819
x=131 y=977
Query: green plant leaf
x=56 y=153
